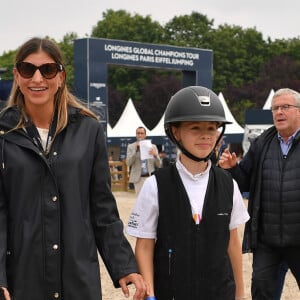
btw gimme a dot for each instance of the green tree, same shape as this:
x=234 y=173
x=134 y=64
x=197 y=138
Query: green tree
x=188 y=30
x=7 y=62
x=155 y=97
x=66 y=46
x=238 y=56
x=122 y=25
x=245 y=66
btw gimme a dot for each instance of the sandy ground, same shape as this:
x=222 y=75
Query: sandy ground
x=125 y=201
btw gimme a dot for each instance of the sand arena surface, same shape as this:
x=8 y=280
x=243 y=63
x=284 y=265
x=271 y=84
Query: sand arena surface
x=125 y=201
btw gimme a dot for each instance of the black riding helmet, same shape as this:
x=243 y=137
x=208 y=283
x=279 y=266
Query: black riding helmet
x=194 y=103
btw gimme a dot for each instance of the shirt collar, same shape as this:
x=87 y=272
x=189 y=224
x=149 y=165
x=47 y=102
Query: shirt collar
x=181 y=167
x=290 y=139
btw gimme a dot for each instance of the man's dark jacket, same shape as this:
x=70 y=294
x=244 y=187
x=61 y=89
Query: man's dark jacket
x=273 y=182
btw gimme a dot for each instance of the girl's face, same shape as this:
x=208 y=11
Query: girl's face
x=37 y=90
x=198 y=138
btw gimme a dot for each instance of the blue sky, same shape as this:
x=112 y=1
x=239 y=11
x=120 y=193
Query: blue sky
x=21 y=20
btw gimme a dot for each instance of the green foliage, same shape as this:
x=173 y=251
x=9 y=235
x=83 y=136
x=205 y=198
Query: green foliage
x=246 y=67
x=66 y=46
x=238 y=55
x=289 y=47
x=121 y=25
x=188 y=31
x=7 y=62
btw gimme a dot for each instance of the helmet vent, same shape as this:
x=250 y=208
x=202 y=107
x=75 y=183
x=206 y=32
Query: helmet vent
x=204 y=100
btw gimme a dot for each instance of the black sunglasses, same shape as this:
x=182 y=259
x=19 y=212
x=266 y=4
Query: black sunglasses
x=48 y=70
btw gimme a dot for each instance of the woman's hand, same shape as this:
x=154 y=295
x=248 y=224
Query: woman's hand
x=6 y=294
x=140 y=286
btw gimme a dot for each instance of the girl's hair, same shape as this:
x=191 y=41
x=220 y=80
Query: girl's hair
x=63 y=97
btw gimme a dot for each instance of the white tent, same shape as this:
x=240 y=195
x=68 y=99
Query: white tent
x=267 y=104
x=109 y=130
x=127 y=124
x=130 y=120
x=233 y=128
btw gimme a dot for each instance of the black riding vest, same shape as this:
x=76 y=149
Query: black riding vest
x=191 y=261
x=280 y=205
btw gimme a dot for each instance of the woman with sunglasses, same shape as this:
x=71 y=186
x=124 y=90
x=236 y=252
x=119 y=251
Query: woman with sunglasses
x=56 y=206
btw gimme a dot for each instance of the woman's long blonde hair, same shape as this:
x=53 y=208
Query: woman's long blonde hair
x=63 y=97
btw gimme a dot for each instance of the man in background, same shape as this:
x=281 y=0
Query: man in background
x=270 y=171
x=141 y=169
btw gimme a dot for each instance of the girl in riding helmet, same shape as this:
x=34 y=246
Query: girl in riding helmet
x=186 y=216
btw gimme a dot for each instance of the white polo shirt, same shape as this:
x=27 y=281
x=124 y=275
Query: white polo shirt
x=143 y=220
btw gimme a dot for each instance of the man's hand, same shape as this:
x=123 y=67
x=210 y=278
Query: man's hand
x=227 y=160
x=153 y=151
x=141 y=288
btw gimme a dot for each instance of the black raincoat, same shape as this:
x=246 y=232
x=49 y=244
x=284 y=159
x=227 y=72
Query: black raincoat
x=56 y=212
